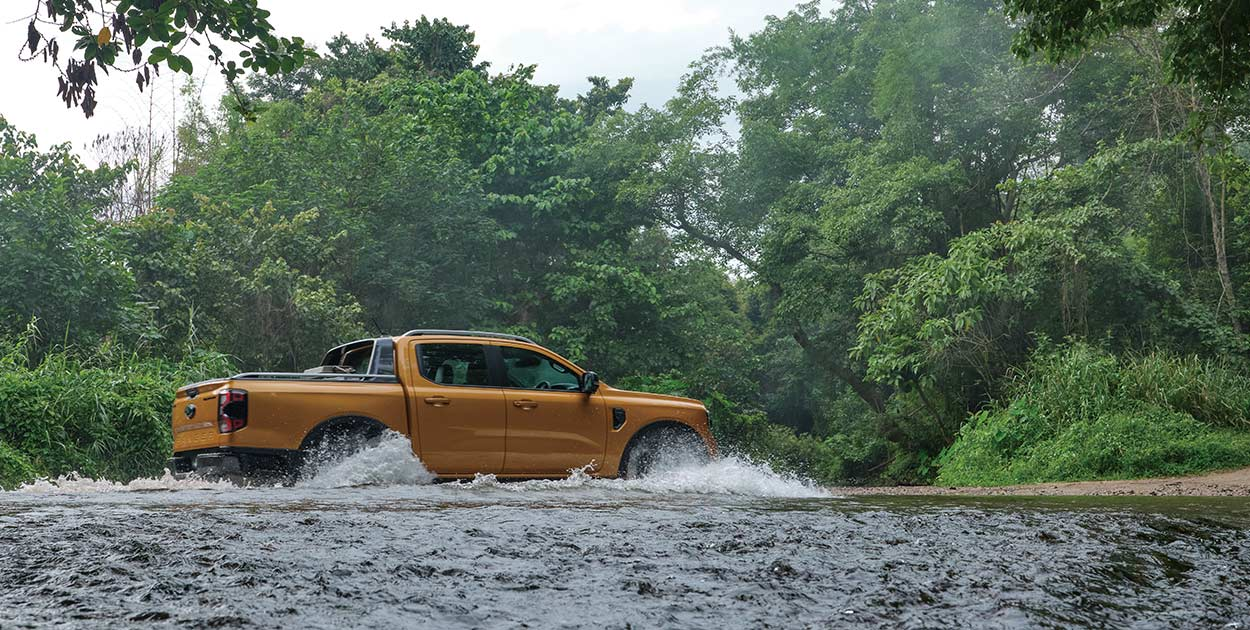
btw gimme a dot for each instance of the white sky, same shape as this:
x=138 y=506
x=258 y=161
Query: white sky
x=650 y=40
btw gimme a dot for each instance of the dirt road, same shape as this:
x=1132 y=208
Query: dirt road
x=1217 y=484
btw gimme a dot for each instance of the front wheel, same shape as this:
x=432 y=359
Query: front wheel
x=663 y=449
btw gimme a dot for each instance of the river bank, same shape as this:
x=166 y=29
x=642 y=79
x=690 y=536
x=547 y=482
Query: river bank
x=1227 y=483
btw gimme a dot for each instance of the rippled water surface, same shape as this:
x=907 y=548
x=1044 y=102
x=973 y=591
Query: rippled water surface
x=726 y=546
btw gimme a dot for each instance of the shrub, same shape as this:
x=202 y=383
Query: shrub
x=1212 y=391
x=1082 y=413
x=100 y=412
x=14 y=468
x=1140 y=441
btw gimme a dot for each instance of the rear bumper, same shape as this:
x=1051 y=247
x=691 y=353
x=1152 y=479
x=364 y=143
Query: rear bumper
x=229 y=460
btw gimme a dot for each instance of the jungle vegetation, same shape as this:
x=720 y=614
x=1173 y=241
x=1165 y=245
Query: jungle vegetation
x=899 y=241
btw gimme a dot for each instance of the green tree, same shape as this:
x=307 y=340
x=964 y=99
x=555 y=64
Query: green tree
x=60 y=266
x=859 y=149
x=417 y=50
x=233 y=279
x=1205 y=41
x=142 y=36
x=434 y=48
x=1200 y=51
x=437 y=199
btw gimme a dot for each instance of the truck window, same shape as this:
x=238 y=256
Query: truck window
x=453 y=363
x=358 y=360
x=527 y=369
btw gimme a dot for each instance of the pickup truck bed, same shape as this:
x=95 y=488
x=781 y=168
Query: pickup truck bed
x=283 y=410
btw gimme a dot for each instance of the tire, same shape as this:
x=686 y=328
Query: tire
x=661 y=449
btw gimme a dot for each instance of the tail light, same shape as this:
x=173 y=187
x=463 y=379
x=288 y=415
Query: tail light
x=231 y=410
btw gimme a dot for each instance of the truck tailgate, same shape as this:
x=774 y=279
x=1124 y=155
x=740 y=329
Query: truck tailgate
x=195 y=416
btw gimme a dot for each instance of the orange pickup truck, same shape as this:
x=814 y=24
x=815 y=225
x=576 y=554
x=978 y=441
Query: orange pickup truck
x=470 y=402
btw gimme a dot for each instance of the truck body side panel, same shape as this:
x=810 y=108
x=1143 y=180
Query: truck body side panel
x=281 y=413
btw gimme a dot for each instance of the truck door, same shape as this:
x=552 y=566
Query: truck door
x=552 y=426
x=458 y=416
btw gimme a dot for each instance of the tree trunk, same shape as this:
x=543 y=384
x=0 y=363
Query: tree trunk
x=868 y=392
x=1219 y=220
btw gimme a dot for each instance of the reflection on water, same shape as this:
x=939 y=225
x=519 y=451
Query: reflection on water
x=726 y=545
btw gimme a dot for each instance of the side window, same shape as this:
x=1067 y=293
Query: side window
x=527 y=369
x=453 y=363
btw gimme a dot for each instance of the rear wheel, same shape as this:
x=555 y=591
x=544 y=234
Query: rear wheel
x=336 y=441
x=663 y=448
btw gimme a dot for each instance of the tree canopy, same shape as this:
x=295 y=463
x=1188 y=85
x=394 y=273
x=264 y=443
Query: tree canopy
x=859 y=257
x=143 y=36
x=1204 y=41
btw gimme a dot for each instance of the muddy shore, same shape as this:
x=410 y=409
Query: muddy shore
x=1228 y=483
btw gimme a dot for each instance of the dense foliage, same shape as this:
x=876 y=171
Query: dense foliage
x=1205 y=41
x=1082 y=413
x=143 y=36
x=849 y=258
x=98 y=411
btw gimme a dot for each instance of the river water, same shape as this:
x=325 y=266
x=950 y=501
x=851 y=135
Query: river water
x=370 y=543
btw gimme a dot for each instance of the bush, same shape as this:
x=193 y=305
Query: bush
x=99 y=412
x=1136 y=442
x=14 y=468
x=1082 y=413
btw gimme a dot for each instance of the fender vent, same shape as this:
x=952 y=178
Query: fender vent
x=618 y=418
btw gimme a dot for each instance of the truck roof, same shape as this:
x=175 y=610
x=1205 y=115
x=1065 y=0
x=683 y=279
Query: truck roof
x=419 y=332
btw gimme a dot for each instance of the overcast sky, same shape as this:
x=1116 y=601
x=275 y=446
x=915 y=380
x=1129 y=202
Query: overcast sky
x=650 y=40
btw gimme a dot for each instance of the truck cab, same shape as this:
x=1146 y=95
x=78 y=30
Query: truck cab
x=469 y=402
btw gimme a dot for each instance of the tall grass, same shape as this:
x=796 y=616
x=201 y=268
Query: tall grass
x=1079 y=412
x=100 y=411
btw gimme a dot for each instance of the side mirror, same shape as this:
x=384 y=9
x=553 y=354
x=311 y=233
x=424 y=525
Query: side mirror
x=588 y=383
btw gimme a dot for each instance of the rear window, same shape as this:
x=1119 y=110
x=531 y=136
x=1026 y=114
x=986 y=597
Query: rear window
x=453 y=363
x=358 y=360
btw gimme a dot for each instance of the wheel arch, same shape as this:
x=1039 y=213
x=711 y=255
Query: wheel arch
x=342 y=424
x=659 y=424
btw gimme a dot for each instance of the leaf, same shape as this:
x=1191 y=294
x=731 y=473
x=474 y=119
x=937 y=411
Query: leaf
x=104 y=37
x=32 y=37
x=158 y=54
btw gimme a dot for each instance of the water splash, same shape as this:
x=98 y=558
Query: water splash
x=391 y=462
x=726 y=476
x=388 y=463
x=74 y=483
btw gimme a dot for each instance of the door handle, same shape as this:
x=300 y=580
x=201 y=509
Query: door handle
x=438 y=401
x=524 y=404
